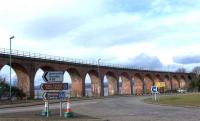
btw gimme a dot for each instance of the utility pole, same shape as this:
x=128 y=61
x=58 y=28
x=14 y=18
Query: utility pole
x=170 y=78
x=10 y=67
x=99 y=88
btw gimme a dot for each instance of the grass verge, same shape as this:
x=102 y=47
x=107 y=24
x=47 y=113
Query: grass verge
x=187 y=100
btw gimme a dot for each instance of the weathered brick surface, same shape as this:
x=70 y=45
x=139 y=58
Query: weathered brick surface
x=26 y=69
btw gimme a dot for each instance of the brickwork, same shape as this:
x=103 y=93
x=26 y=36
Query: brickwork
x=138 y=84
x=26 y=69
x=167 y=84
x=95 y=83
x=175 y=83
x=126 y=84
x=112 y=84
x=148 y=83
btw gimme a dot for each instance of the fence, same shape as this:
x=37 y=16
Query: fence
x=74 y=60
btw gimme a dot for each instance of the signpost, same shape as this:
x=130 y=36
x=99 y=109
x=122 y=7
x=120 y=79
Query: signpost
x=154 y=90
x=54 y=81
x=53 y=76
x=54 y=86
x=160 y=84
x=53 y=95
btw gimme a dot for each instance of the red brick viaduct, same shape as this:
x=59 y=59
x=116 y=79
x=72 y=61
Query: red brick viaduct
x=134 y=81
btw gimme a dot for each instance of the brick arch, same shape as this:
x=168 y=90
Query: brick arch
x=175 y=82
x=95 y=82
x=46 y=68
x=126 y=83
x=183 y=84
x=2 y=65
x=189 y=77
x=112 y=83
x=148 y=82
x=78 y=84
x=22 y=77
x=158 y=78
x=167 y=83
x=138 y=84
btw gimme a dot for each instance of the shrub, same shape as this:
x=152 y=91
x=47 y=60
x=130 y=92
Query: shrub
x=15 y=91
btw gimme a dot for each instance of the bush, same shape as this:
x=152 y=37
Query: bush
x=195 y=84
x=15 y=91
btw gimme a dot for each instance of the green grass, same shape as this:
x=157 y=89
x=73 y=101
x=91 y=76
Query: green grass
x=189 y=100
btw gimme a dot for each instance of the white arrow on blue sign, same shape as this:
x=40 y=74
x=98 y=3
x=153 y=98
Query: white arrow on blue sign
x=53 y=95
x=154 y=89
x=61 y=95
x=53 y=76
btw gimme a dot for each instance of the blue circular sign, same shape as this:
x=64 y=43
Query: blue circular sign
x=154 y=89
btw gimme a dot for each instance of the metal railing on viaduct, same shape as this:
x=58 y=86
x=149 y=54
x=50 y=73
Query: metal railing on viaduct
x=19 y=53
x=135 y=80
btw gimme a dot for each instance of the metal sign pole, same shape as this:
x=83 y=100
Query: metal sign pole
x=51 y=77
x=47 y=108
x=155 y=96
x=60 y=108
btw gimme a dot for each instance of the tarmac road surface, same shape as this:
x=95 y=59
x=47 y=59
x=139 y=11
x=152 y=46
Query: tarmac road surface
x=112 y=109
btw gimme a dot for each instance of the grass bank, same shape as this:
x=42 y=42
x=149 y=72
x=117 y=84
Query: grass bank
x=186 y=100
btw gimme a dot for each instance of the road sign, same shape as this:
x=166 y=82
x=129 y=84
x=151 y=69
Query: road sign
x=160 y=84
x=61 y=95
x=53 y=95
x=154 y=89
x=54 y=86
x=53 y=76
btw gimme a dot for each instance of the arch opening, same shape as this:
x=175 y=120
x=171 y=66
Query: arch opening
x=5 y=75
x=67 y=79
x=138 y=84
x=183 y=84
x=88 y=86
x=175 y=84
x=120 y=85
x=148 y=83
x=5 y=78
x=38 y=80
x=95 y=83
x=112 y=83
x=158 y=79
x=78 y=84
x=126 y=84
x=105 y=83
x=167 y=88
x=19 y=77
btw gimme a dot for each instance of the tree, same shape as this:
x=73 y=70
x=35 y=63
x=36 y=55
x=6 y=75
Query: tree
x=181 y=70
x=196 y=70
x=5 y=88
x=195 y=83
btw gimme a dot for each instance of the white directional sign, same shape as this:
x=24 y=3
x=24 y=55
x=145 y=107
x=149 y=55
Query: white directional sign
x=53 y=76
x=53 y=95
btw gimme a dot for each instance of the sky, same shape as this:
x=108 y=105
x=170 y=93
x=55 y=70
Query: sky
x=156 y=34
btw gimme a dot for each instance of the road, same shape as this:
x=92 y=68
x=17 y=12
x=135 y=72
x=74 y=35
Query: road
x=113 y=109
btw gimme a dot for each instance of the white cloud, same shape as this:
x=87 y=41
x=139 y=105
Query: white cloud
x=96 y=29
